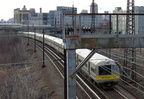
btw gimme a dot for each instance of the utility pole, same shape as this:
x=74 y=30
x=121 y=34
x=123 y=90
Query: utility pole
x=70 y=65
x=34 y=39
x=73 y=23
x=93 y=17
x=55 y=25
x=130 y=53
x=43 y=66
x=28 y=35
x=65 y=75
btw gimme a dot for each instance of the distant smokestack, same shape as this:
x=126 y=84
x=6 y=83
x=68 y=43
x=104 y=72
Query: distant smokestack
x=40 y=10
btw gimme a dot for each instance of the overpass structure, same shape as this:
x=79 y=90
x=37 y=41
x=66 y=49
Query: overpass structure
x=78 y=38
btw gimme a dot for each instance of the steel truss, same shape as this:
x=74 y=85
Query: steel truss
x=130 y=53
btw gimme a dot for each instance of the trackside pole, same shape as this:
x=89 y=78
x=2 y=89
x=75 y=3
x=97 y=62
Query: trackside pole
x=65 y=74
x=71 y=82
x=34 y=39
x=43 y=66
x=70 y=65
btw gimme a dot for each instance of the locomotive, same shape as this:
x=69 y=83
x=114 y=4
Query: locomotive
x=99 y=69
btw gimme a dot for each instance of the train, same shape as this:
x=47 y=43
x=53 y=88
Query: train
x=99 y=69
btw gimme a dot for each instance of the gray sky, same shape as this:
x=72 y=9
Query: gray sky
x=7 y=6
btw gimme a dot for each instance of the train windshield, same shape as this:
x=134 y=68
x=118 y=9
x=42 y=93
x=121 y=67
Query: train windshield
x=105 y=70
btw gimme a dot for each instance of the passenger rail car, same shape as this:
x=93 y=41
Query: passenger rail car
x=54 y=42
x=99 y=69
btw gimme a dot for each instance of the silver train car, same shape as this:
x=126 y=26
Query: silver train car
x=99 y=69
x=54 y=42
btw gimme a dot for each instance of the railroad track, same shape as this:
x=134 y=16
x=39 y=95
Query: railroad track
x=104 y=94
x=85 y=89
x=59 y=65
x=139 y=68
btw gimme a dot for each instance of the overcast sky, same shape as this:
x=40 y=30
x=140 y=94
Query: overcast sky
x=7 y=6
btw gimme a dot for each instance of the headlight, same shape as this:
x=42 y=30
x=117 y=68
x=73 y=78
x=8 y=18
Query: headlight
x=117 y=76
x=99 y=78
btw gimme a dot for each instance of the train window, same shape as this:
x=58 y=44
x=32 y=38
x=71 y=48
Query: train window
x=85 y=64
x=105 y=70
x=79 y=60
x=93 y=70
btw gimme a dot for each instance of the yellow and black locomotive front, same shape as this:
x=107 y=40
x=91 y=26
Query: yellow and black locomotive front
x=108 y=76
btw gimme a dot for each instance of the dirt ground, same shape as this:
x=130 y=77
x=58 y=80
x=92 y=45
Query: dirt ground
x=27 y=79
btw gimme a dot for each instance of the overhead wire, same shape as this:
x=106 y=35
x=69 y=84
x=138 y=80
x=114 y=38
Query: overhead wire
x=107 y=69
x=28 y=62
x=140 y=65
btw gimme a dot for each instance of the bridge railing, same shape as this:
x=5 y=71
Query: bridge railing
x=107 y=30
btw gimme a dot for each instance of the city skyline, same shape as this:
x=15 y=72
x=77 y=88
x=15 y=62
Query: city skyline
x=7 y=7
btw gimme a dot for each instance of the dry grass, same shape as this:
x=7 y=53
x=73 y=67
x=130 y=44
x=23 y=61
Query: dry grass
x=23 y=81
